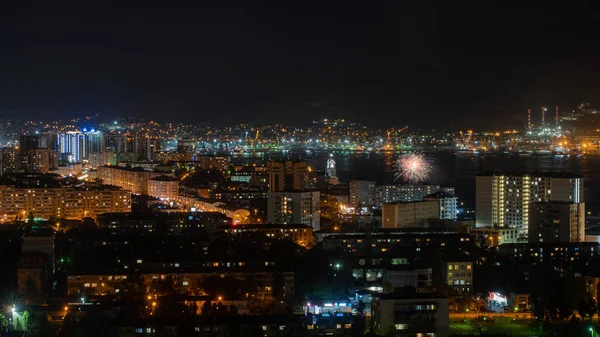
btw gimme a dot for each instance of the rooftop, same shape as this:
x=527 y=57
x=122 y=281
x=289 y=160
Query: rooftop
x=550 y=174
x=268 y=226
x=165 y=178
x=409 y=294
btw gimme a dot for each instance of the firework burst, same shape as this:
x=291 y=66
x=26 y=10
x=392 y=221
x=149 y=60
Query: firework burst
x=413 y=167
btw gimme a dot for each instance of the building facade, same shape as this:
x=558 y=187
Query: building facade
x=398 y=277
x=362 y=192
x=503 y=200
x=400 y=314
x=448 y=204
x=300 y=234
x=163 y=188
x=287 y=175
x=68 y=203
x=40 y=161
x=406 y=193
x=489 y=236
x=8 y=160
x=294 y=208
x=76 y=146
x=557 y=222
x=409 y=214
x=459 y=276
x=134 y=180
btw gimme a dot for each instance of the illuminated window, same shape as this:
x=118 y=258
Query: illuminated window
x=401 y=326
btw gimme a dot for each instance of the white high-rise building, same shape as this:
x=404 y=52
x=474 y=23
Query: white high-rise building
x=504 y=200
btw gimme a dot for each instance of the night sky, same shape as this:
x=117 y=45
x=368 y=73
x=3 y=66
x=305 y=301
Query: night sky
x=452 y=64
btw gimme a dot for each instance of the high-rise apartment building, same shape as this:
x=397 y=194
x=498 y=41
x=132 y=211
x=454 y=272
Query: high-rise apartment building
x=294 y=208
x=40 y=161
x=362 y=192
x=68 y=203
x=556 y=221
x=287 y=175
x=76 y=146
x=28 y=142
x=8 y=160
x=136 y=146
x=503 y=200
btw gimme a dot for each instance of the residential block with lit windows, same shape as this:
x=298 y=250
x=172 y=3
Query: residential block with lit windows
x=163 y=187
x=97 y=284
x=287 y=175
x=415 y=314
x=132 y=179
x=557 y=222
x=65 y=202
x=489 y=236
x=459 y=276
x=110 y=284
x=300 y=234
x=295 y=207
x=409 y=214
x=503 y=200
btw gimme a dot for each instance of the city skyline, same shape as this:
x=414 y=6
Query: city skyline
x=316 y=168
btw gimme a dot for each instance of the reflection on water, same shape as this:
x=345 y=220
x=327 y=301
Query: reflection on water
x=453 y=170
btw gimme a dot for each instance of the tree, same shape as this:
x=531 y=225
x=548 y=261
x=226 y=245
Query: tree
x=233 y=310
x=361 y=307
x=359 y=325
x=207 y=308
x=586 y=308
x=222 y=309
x=4 y=322
x=194 y=308
x=32 y=294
